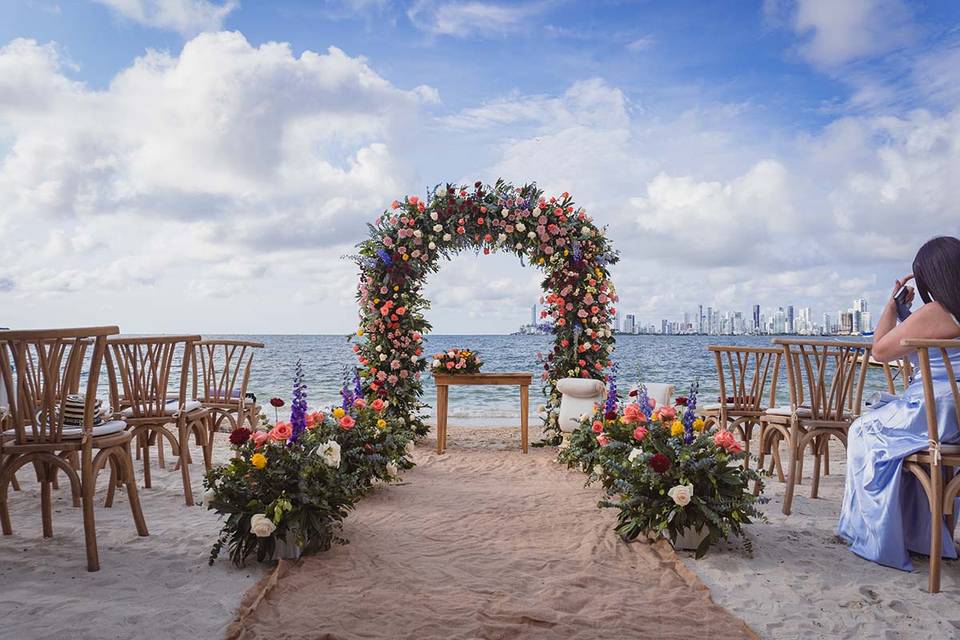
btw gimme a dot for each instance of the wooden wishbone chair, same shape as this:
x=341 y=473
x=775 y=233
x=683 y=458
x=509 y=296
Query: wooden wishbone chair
x=825 y=379
x=936 y=467
x=39 y=369
x=221 y=376
x=140 y=371
x=743 y=374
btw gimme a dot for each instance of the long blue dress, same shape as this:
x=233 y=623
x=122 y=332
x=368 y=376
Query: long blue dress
x=885 y=511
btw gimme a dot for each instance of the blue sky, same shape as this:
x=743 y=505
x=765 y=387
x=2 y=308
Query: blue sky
x=777 y=152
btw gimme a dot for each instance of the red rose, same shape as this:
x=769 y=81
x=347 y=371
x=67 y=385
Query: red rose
x=659 y=462
x=610 y=415
x=239 y=436
x=681 y=401
x=276 y=402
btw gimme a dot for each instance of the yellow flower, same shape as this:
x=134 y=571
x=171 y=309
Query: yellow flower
x=359 y=333
x=258 y=460
x=676 y=429
x=540 y=261
x=396 y=287
x=405 y=257
x=339 y=413
x=381 y=423
x=698 y=424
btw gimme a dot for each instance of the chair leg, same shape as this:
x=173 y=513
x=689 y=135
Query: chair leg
x=826 y=456
x=145 y=445
x=126 y=463
x=89 y=524
x=4 y=506
x=112 y=487
x=46 y=503
x=185 y=464
x=747 y=435
x=793 y=450
x=936 y=527
x=817 y=453
x=207 y=432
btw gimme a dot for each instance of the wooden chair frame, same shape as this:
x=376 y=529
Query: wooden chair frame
x=744 y=372
x=936 y=467
x=37 y=380
x=139 y=371
x=222 y=368
x=821 y=405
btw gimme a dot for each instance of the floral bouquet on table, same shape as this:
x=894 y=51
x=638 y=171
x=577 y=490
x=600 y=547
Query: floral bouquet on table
x=665 y=471
x=456 y=361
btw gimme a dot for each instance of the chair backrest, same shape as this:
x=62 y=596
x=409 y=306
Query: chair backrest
x=140 y=368
x=222 y=369
x=39 y=368
x=941 y=348
x=903 y=370
x=826 y=377
x=662 y=392
x=743 y=374
x=580 y=395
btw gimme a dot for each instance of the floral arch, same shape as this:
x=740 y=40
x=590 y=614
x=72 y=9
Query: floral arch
x=405 y=246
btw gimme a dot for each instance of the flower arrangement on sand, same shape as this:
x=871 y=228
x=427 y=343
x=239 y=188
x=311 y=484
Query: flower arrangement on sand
x=405 y=246
x=456 y=361
x=296 y=481
x=664 y=469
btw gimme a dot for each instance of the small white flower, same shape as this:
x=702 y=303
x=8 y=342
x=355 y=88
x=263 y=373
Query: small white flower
x=383 y=357
x=531 y=235
x=438 y=228
x=536 y=211
x=521 y=227
x=446 y=237
x=436 y=364
x=519 y=245
x=634 y=454
x=379 y=348
x=261 y=526
x=597 y=470
x=433 y=215
x=410 y=447
x=681 y=494
x=418 y=234
x=432 y=246
x=209 y=495
x=392 y=470
x=414 y=358
x=502 y=237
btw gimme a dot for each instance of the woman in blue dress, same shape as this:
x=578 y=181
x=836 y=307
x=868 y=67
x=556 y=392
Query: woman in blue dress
x=885 y=512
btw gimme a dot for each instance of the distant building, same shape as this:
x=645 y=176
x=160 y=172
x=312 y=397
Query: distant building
x=756 y=318
x=533 y=315
x=790 y=325
x=629 y=323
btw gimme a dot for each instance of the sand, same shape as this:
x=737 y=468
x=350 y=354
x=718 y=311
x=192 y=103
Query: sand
x=484 y=542
x=803 y=582
x=155 y=587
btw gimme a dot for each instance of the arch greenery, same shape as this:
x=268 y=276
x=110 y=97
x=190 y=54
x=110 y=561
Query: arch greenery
x=405 y=246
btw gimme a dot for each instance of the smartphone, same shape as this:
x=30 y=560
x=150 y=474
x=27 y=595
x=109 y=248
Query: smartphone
x=900 y=300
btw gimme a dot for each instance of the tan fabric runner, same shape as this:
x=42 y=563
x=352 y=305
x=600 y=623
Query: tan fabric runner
x=486 y=543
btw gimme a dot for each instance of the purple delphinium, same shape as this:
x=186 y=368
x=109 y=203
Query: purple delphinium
x=298 y=407
x=357 y=385
x=611 y=404
x=690 y=415
x=384 y=256
x=644 y=400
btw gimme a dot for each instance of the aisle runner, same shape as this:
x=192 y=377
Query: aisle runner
x=486 y=543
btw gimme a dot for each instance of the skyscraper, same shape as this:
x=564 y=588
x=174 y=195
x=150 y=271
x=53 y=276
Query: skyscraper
x=629 y=324
x=756 y=318
x=790 y=325
x=533 y=315
x=700 y=321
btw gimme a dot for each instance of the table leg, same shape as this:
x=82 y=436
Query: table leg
x=524 y=415
x=442 y=390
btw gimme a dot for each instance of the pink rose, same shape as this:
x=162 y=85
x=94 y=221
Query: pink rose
x=603 y=440
x=377 y=405
x=281 y=432
x=632 y=413
x=668 y=413
x=597 y=426
x=639 y=433
x=360 y=403
x=347 y=423
x=260 y=437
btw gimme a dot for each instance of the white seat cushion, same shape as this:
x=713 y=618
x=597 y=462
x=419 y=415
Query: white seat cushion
x=581 y=387
x=74 y=433
x=171 y=407
x=803 y=412
x=579 y=397
x=713 y=406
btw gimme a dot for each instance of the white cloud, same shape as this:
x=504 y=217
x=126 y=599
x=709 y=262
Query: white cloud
x=187 y=17
x=835 y=33
x=463 y=19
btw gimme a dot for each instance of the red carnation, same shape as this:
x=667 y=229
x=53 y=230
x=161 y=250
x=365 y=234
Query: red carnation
x=681 y=401
x=610 y=415
x=276 y=403
x=239 y=436
x=633 y=393
x=659 y=462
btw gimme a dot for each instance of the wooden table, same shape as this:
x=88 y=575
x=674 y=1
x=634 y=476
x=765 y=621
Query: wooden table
x=444 y=382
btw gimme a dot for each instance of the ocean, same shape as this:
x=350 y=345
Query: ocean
x=328 y=359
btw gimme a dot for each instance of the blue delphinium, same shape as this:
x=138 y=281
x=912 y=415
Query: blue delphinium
x=644 y=401
x=357 y=385
x=384 y=256
x=611 y=404
x=298 y=407
x=690 y=415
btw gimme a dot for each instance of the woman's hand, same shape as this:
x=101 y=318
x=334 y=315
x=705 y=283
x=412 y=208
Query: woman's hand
x=908 y=301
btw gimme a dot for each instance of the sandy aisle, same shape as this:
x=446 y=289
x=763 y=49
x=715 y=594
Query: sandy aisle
x=486 y=543
x=154 y=587
x=803 y=582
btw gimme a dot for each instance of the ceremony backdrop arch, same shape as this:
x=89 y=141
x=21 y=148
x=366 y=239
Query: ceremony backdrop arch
x=405 y=246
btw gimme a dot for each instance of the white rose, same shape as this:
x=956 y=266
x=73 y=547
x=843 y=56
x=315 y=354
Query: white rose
x=536 y=211
x=414 y=358
x=330 y=452
x=587 y=231
x=392 y=470
x=436 y=363
x=531 y=235
x=446 y=237
x=383 y=357
x=432 y=246
x=209 y=495
x=418 y=234
x=521 y=227
x=379 y=348
x=519 y=245
x=681 y=494
x=261 y=526
x=438 y=228
x=634 y=454
x=502 y=237
x=433 y=215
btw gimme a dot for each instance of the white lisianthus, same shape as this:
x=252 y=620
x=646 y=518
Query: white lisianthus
x=634 y=454
x=392 y=470
x=681 y=494
x=436 y=364
x=432 y=246
x=531 y=235
x=330 y=452
x=414 y=358
x=261 y=526
x=521 y=227
x=438 y=228
x=433 y=215
x=446 y=237
x=383 y=357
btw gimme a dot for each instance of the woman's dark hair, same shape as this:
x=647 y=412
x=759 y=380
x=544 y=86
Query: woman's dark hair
x=937 y=272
